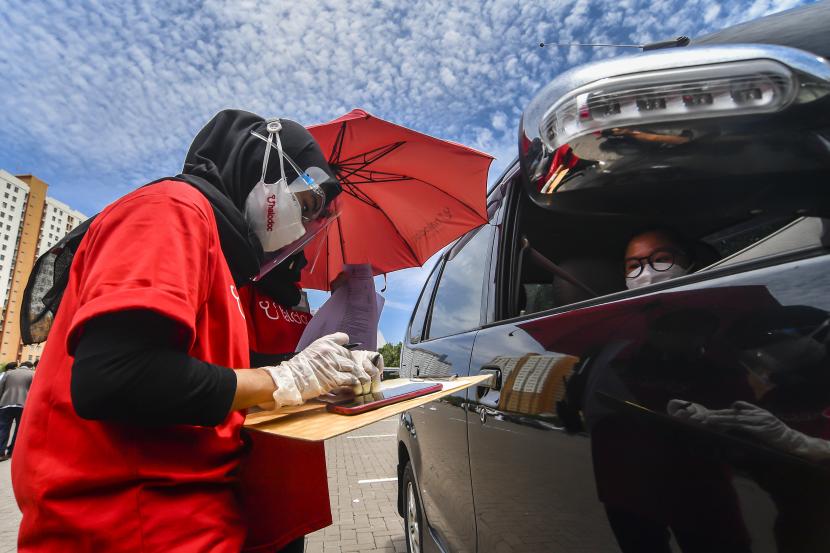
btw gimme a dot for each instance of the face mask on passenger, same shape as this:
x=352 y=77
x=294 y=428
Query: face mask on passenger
x=651 y=275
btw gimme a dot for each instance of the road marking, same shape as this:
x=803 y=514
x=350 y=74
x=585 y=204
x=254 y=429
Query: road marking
x=370 y=436
x=375 y=480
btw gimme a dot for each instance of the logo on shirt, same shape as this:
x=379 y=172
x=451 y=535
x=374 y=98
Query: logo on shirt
x=269 y=214
x=275 y=312
x=235 y=294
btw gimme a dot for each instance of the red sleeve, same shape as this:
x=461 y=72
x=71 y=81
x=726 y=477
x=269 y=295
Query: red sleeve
x=149 y=252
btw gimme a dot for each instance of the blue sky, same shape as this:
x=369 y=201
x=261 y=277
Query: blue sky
x=100 y=97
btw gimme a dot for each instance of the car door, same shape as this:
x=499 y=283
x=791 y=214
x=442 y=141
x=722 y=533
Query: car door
x=533 y=482
x=688 y=416
x=441 y=349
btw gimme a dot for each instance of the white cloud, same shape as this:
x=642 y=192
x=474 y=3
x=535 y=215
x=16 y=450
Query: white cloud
x=108 y=95
x=100 y=97
x=499 y=121
x=711 y=13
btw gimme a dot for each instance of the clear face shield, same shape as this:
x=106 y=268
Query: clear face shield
x=286 y=216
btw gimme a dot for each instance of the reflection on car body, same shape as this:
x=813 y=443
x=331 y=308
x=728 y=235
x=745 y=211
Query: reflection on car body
x=689 y=415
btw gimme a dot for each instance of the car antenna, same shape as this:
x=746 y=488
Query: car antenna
x=674 y=43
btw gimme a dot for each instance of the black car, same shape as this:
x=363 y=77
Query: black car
x=691 y=414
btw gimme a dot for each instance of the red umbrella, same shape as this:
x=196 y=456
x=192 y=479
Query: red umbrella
x=405 y=196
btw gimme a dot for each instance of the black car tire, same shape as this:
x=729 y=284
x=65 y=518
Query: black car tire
x=413 y=515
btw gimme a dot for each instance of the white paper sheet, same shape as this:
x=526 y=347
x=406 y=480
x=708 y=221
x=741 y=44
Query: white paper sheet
x=354 y=308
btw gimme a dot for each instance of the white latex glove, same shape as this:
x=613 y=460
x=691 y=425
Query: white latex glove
x=687 y=410
x=372 y=363
x=323 y=366
x=760 y=423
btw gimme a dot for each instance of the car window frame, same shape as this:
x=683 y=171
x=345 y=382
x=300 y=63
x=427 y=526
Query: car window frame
x=678 y=282
x=437 y=268
x=503 y=190
x=444 y=261
x=509 y=221
x=503 y=220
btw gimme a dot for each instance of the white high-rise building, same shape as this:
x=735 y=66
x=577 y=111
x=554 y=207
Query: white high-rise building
x=30 y=224
x=58 y=220
x=13 y=195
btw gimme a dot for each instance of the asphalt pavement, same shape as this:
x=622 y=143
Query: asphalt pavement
x=362 y=488
x=9 y=515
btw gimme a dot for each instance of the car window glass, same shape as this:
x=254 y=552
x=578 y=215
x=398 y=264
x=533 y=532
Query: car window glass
x=803 y=233
x=417 y=327
x=457 y=305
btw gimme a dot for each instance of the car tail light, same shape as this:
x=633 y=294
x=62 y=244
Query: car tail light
x=670 y=95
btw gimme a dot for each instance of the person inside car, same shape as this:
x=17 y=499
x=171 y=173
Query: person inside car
x=654 y=256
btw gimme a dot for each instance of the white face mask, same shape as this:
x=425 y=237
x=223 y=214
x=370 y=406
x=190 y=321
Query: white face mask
x=650 y=276
x=271 y=210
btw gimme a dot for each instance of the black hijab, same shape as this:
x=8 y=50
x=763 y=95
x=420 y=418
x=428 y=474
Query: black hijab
x=225 y=163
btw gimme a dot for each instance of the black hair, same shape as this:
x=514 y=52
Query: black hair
x=685 y=245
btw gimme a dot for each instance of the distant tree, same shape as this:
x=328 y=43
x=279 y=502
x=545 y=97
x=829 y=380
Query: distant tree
x=391 y=354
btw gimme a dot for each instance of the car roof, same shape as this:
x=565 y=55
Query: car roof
x=806 y=28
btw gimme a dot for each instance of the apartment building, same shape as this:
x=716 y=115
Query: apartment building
x=30 y=223
x=13 y=196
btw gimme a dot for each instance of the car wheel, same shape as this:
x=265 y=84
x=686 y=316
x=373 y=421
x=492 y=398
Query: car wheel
x=412 y=514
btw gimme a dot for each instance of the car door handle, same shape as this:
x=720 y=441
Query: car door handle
x=494 y=382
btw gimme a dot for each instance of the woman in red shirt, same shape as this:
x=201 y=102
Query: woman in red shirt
x=294 y=468
x=131 y=439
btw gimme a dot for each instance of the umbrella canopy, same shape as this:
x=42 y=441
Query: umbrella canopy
x=405 y=196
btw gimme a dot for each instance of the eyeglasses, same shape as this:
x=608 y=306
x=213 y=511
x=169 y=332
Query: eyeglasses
x=660 y=260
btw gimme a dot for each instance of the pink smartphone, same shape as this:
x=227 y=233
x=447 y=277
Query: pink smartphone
x=368 y=402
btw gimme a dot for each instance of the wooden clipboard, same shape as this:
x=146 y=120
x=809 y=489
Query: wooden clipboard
x=311 y=422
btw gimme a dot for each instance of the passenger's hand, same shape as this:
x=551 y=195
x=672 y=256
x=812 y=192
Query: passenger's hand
x=750 y=419
x=323 y=366
x=687 y=410
x=766 y=427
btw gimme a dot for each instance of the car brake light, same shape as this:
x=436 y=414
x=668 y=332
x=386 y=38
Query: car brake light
x=670 y=95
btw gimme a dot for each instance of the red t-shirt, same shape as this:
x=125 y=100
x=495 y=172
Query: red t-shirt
x=106 y=486
x=272 y=328
x=284 y=484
